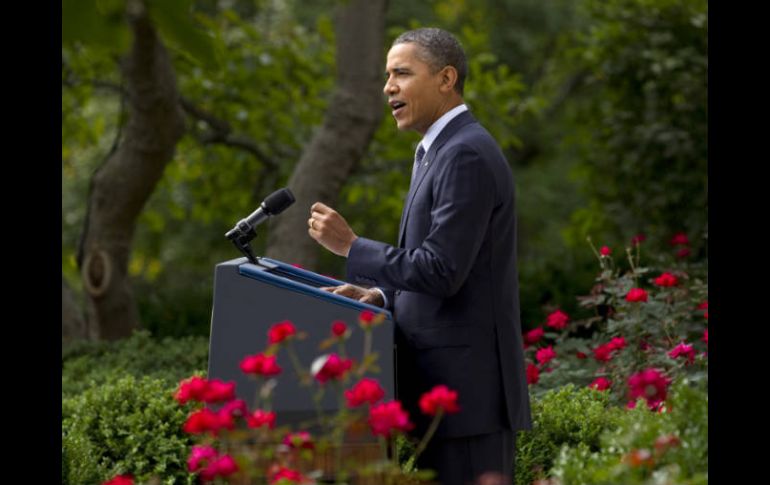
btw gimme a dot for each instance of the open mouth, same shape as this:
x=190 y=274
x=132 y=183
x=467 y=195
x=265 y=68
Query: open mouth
x=397 y=107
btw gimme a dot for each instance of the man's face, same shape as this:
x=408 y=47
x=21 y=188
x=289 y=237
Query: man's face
x=412 y=89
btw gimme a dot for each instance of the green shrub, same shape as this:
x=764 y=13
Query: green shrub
x=128 y=426
x=89 y=364
x=634 y=452
x=565 y=416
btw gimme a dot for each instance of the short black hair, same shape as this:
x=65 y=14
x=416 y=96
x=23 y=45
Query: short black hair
x=438 y=49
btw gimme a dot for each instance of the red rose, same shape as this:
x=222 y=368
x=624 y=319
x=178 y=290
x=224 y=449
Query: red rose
x=617 y=343
x=557 y=320
x=280 y=332
x=260 y=364
x=440 y=397
x=649 y=384
x=260 y=418
x=683 y=253
x=533 y=374
x=218 y=391
x=603 y=353
x=299 y=440
x=545 y=355
x=605 y=251
x=193 y=389
x=204 y=420
x=200 y=454
x=533 y=336
x=339 y=328
x=331 y=367
x=600 y=384
x=704 y=305
x=388 y=417
x=706 y=336
x=680 y=239
x=367 y=390
x=221 y=466
x=638 y=239
x=287 y=475
x=120 y=480
x=636 y=295
x=666 y=279
x=683 y=350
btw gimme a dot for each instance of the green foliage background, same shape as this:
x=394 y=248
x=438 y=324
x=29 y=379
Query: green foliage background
x=600 y=107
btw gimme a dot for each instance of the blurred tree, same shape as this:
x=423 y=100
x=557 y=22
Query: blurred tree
x=354 y=112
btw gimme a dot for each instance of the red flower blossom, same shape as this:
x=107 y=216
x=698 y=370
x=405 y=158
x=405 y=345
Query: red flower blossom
x=339 y=328
x=638 y=239
x=533 y=374
x=557 y=320
x=545 y=355
x=368 y=319
x=666 y=279
x=260 y=418
x=367 y=390
x=680 y=239
x=706 y=336
x=440 y=397
x=204 y=420
x=704 y=305
x=533 y=336
x=200 y=454
x=329 y=367
x=601 y=384
x=280 y=332
x=636 y=295
x=288 y=476
x=706 y=315
x=683 y=350
x=649 y=384
x=683 y=253
x=605 y=251
x=260 y=364
x=581 y=355
x=192 y=389
x=221 y=466
x=299 y=440
x=617 y=343
x=603 y=353
x=120 y=480
x=218 y=391
x=202 y=390
x=388 y=417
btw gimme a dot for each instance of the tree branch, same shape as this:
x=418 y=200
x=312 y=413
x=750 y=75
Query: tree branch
x=221 y=132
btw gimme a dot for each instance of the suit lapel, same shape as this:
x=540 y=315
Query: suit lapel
x=448 y=132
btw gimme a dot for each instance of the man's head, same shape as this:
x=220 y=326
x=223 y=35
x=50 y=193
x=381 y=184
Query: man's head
x=426 y=71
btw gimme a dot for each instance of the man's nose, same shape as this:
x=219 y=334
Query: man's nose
x=389 y=88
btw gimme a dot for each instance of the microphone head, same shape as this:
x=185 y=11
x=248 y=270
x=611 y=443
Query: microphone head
x=278 y=201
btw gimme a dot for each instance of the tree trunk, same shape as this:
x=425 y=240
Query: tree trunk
x=73 y=326
x=353 y=116
x=121 y=187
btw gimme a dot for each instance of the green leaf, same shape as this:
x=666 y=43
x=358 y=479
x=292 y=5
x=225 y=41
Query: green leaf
x=174 y=21
x=95 y=23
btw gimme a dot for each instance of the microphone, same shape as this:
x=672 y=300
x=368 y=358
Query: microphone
x=275 y=203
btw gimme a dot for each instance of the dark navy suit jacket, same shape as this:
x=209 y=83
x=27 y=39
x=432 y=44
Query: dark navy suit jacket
x=452 y=284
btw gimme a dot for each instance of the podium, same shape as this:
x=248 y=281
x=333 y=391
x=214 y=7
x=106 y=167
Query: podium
x=250 y=298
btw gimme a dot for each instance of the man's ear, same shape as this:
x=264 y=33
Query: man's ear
x=448 y=79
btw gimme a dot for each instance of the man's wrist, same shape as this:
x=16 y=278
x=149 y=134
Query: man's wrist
x=347 y=250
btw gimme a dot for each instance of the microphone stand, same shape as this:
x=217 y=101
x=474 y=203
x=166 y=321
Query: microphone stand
x=241 y=239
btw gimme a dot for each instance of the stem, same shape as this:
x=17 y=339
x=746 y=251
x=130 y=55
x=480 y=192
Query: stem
x=303 y=376
x=428 y=435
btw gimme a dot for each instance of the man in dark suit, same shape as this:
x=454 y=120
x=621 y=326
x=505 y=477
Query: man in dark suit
x=451 y=281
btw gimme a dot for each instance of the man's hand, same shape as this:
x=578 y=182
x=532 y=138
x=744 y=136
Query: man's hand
x=330 y=229
x=364 y=295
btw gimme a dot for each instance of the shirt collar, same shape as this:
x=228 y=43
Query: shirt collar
x=437 y=126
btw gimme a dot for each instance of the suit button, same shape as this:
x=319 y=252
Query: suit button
x=398 y=292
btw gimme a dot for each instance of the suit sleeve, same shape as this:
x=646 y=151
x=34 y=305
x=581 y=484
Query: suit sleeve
x=463 y=200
